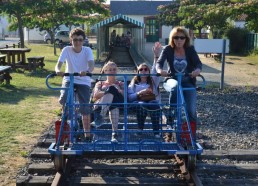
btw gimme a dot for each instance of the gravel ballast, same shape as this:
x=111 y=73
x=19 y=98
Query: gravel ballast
x=228 y=118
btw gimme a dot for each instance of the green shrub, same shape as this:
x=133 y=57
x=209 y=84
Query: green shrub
x=237 y=39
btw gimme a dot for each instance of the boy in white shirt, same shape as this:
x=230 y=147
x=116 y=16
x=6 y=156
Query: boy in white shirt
x=78 y=58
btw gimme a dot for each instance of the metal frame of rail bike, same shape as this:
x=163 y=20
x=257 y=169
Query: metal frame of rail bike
x=125 y=145
x=180 y=109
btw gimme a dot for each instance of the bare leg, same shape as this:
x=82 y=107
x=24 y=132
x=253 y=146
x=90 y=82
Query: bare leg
x=114 y=117
x=107 y=98
x=86 y=124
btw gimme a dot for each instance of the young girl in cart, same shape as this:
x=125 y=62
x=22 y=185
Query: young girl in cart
x=140 y=86
x=107 y=92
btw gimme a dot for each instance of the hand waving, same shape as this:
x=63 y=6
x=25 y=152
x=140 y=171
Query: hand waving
x=156 y=49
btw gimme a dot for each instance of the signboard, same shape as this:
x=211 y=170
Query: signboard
x=211 y=45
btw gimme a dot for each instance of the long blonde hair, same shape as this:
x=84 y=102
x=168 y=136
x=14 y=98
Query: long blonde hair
x=109 y=63
x=176 y=30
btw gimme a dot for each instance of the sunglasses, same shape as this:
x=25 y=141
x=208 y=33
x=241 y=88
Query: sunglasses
x=145 y=69
x=111 y=69
x=76 y=40
x=179 y=37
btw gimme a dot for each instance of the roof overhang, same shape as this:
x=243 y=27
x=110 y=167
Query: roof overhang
x=120 y=19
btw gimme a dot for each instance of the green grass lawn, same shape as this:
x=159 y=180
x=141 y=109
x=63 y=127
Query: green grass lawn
x=27 y=108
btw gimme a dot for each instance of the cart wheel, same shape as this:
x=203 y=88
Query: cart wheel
x=59 y=162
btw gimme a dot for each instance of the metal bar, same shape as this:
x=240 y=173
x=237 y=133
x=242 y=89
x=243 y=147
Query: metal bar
x=223 y=65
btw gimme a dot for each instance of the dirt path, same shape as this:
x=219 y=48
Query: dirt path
x=238 y=71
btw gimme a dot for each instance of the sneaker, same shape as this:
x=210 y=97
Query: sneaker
x=98 y=121
x=89 y=139
x=113 y=139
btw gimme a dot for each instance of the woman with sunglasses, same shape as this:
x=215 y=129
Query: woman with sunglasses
x=107 y=92
x=140 y=85
x=181 y=57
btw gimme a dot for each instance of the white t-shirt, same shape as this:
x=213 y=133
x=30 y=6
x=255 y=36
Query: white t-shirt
x=77 y=62
x=141 y=86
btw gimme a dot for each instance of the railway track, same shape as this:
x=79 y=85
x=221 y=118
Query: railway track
x=102 y=169
x=213 y=167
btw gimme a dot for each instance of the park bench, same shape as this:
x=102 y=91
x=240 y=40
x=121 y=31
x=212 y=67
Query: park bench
x=2 y=59
x=35 y=61
x=5 y=74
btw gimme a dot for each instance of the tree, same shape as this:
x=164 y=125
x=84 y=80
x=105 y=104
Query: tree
x=168 y=14
x=197 y=14
x=49 y=15
x=216 y=17
x=250 y=9
x=17 y=11
x=193 y=16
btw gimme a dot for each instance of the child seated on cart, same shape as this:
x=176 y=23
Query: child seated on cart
x=141 y=86
x=107 y=92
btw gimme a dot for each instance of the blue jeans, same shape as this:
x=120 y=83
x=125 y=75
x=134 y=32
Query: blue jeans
x=142 y=112
x=83 y=93
x=190 y=97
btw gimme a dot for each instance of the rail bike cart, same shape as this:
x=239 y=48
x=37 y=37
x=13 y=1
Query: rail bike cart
x=70 y=141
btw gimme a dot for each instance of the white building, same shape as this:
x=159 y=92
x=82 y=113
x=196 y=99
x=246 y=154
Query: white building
x=4 y=32
x=144 y=12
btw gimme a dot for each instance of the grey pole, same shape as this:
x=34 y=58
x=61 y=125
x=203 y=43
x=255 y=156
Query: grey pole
x=97 y=43
x=223 y=64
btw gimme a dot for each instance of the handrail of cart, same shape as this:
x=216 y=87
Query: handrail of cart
x=64 y=74
x=125 y=103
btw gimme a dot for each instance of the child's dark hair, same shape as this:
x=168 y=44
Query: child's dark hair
x=137 y=79
x=78 y=32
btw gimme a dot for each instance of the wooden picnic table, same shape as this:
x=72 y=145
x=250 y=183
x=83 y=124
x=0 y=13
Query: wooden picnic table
x=2 y=59
x=15 y=56
x=35 y=61
x=5 y=74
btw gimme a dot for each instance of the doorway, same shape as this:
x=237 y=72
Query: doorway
x=152 y=30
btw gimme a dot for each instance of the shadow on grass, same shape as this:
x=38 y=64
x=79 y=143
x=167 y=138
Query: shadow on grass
x=230 y=63
x=208 y=69
x=234 y=58
x=12 y=95
x=40 y=72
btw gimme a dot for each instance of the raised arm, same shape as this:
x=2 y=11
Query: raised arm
x=159 y=59
x=156 y=49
